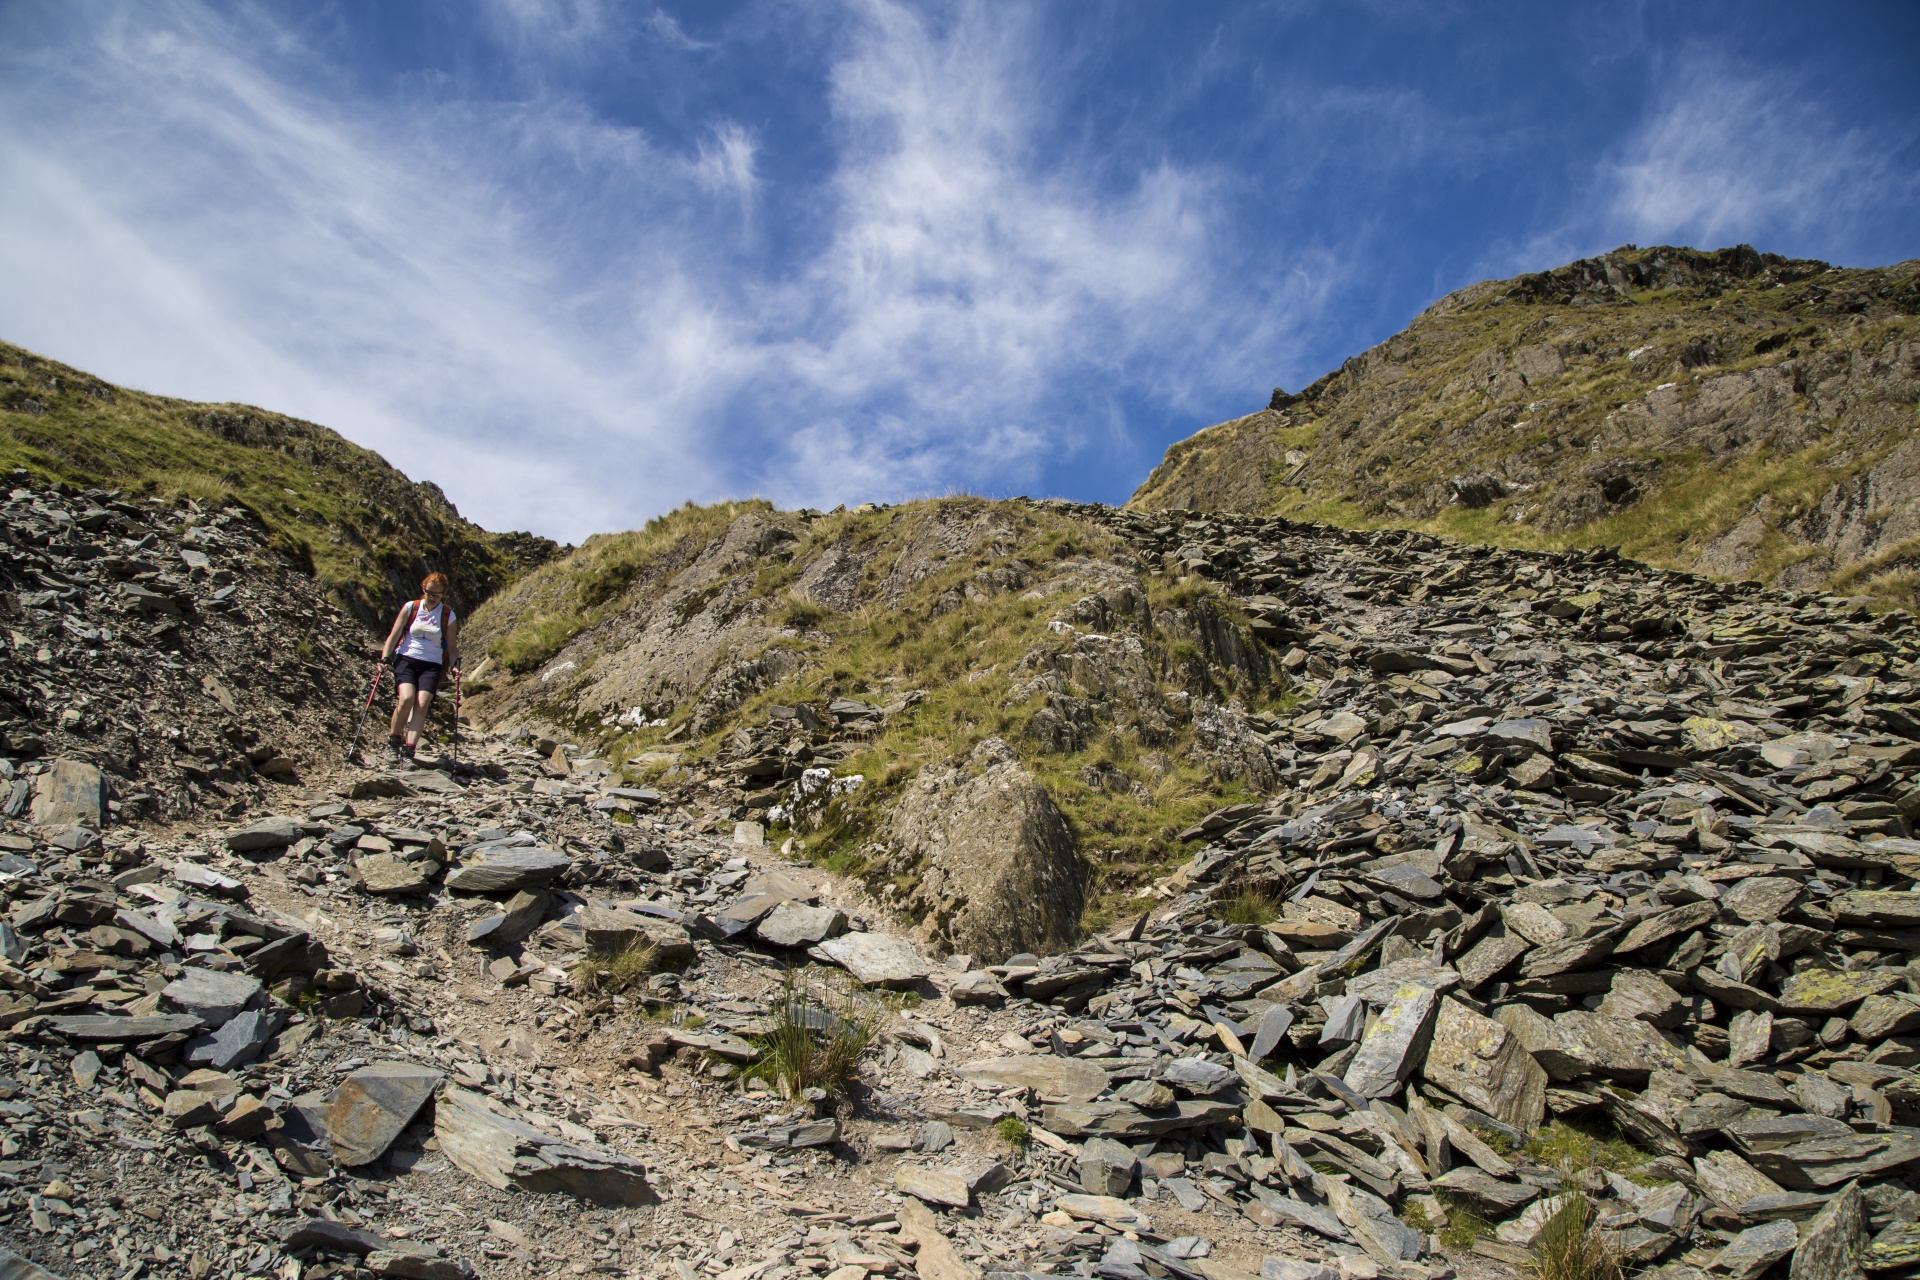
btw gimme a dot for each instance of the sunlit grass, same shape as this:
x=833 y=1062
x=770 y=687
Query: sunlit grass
x=820 y=1034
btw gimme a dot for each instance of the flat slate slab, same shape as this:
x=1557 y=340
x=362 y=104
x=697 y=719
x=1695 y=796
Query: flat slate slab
x=371 y=1106
x=499 y=870
x=1130 y=1124
x=267 y=833
x=1396 y=1044
x=504 y=1151
x=238 y=1042
x=793 y=924
x=874 y=958
x=70 y=793
x=1053 y=1078
x=388 y=876
x=100 y=1027
x=211 y=995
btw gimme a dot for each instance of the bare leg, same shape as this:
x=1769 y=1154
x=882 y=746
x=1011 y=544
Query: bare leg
x=422 y=701
x=402 y=712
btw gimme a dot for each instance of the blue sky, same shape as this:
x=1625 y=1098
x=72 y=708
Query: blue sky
x=578 y=261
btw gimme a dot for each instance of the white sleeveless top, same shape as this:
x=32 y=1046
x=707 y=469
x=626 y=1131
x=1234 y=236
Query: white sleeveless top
x=426 y=639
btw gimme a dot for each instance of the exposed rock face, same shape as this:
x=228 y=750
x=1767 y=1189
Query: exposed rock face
x=998 y=873
x=1488 y=401
x=71 y=793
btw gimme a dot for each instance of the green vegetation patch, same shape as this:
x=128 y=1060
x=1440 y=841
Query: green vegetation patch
x=1585 y=1141
x=1654 y=420
x=524 y=629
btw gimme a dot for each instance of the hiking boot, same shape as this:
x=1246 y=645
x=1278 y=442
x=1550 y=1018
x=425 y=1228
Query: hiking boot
x=406 y=752
x=394 y=748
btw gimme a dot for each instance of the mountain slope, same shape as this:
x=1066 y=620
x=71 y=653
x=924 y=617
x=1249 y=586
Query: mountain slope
x=1737 y=413
x=738 y=645
x=367 y=532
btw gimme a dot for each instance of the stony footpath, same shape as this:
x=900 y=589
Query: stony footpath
x=1547 y=843
x=355 y=1040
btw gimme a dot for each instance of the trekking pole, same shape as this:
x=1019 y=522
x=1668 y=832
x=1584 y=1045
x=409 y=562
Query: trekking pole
x=353 y=748
x=456 y=715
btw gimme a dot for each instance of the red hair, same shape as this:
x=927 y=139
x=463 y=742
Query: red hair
x=433 y=581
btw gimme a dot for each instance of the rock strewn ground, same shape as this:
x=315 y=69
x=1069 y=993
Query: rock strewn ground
x=170 y=645
x=1552 y=837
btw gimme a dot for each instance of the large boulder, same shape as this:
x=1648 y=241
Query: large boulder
x=71 y=793
x=998 y=871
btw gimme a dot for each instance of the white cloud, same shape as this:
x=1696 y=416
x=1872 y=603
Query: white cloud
x=1731 y=154
x=665 y=28
x=726 y=162
x=248 y=241
x=553 y=26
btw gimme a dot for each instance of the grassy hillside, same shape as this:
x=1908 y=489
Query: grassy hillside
x=678 y=641
x=1737 y=413
x=363 y=528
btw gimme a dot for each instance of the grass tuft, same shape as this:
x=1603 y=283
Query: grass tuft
x=1250 y=906
x=1572 y=1246
x=818 y=1038
x=1465 y=1224
x=1588 y=1141
x=1013 y=1131
x=615 y=972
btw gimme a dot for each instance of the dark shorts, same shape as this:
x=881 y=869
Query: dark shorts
x=424 y=676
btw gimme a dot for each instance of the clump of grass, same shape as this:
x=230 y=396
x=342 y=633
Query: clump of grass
x=1465 y=1224
x=818 y=1037
x=614 y=972
x=532 y=643
x=801 y=614
x=1592 y=1142
x=1013 y=1131
x=1500 y=1142
x=1571 y=1245
x=1250 y=906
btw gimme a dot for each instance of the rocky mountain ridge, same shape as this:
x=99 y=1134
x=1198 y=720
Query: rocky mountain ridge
x=1190 y=894
x=1213 y=649
x=362 y=528
x=1736 y=413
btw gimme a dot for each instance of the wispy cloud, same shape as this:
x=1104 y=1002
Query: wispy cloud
x=967 y=278
x=1731 y=153
x=594 y=266
x=726 y=162
x=415 y=284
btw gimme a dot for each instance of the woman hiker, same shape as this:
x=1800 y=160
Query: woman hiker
x=424 y=642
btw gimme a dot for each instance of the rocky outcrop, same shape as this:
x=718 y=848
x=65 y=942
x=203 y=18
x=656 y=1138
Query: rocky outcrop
x=995 y=867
